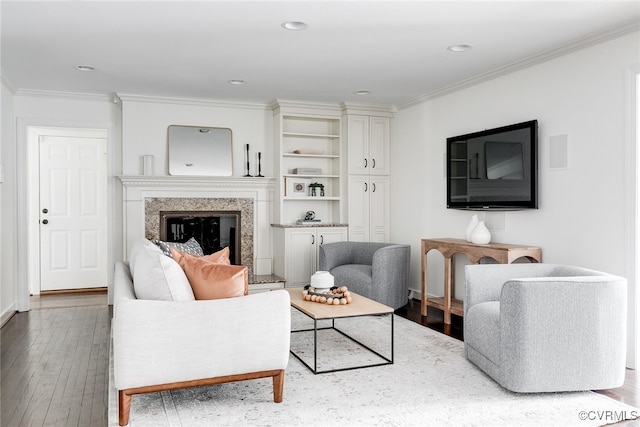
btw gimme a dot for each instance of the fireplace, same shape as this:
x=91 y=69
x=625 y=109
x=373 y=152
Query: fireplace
x=214 y=230
x=196 y=213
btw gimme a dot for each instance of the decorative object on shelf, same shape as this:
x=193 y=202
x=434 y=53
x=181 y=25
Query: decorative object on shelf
x=313 y=189
x=296 y=187
x=147 y=164
x=307 y=171
x=322 y=281
x=247 y=148
x=333 y=296
x=309 y=218
x=480 y=235
x=260 y=165
x=473 y=222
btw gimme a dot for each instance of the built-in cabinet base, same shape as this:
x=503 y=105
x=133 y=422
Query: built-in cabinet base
x=297 y=248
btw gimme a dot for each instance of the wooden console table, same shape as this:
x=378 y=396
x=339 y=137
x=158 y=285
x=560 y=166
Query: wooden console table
x=501 y=252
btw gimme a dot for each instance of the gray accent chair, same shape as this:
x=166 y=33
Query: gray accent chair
x=546 y=328
x=379 y=271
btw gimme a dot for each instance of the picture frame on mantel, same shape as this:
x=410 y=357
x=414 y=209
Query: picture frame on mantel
x=296 y=187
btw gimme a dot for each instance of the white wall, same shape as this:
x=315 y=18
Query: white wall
x=8 y=228
x=582 y=218
x=145 y=122
x=59 y=110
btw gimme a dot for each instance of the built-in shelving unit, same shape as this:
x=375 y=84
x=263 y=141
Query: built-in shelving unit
x=308 y=137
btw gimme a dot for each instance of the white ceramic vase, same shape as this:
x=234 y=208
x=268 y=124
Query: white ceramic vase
x=480 y=235
x=473 y=222
x=322 y=280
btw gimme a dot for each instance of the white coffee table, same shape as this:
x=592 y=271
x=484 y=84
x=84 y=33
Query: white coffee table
x=360 y=306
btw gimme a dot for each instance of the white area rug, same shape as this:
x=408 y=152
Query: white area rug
x=430 y=384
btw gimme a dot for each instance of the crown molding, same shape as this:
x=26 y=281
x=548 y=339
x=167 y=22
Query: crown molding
x=565 y=49
x=6 y=82
x=65 y=95
x=192 y=101
x=305 y=107
x=368 y=109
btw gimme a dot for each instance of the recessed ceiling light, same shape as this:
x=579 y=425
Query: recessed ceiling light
x=361 y=92
x=237 y=82
x=459 y=48
x=85 y=68
x=294 y=25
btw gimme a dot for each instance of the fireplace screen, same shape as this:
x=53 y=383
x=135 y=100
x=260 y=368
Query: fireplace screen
x=214 y=230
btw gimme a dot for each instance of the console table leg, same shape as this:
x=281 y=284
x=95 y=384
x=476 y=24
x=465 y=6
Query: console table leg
x=423 y=284
x=448 y=284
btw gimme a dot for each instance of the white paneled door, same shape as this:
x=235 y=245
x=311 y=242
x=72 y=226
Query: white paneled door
x=73 y=212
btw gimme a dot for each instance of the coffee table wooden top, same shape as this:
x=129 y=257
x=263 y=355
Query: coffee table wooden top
x=360 y=306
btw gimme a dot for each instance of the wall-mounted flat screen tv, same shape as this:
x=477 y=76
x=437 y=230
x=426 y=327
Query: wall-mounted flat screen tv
x=494 y=169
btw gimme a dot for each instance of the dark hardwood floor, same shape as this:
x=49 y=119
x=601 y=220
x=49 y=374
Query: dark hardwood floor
x=55 y=359
x=54 y=363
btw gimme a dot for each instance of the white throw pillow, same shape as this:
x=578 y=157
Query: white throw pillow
x=156 y=276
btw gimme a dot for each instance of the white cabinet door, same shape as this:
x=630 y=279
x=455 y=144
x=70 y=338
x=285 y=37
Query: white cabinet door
x=368 y=145
x=300 y=250
x=331 y=234
x=358 y=144
x=300 y=253
x=379 y=209
x=379 y=145
x=368 y=208
x=359 y=208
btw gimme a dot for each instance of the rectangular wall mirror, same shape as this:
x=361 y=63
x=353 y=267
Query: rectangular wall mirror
x=195 y=150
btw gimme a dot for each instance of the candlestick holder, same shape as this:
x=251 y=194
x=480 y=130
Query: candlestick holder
x=248 y=169
x=260 y=165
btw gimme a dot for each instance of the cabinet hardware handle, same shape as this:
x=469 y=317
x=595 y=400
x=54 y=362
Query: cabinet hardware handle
x=365 y=163
x=322 y=239
x=374 y=187
x=366 y=187
x=44 y=221
x=313 y=239
x=45 y=210
x=373 y=163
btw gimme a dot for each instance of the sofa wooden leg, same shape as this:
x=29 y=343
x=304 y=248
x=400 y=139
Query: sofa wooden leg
x=124 y=407
x=278 y=386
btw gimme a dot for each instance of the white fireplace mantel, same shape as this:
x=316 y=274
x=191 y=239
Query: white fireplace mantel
x=137 y=188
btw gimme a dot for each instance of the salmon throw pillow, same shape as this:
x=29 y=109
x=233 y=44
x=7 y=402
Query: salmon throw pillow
x=209 y=280
x=220 y=257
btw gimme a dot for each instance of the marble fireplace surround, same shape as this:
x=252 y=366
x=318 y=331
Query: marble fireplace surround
x=144 y=196
x=154 y=205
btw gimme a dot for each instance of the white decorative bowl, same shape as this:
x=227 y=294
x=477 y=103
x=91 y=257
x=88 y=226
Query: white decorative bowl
x=322 y=280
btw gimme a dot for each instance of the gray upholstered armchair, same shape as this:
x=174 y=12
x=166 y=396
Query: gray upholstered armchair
x=546 y=328
x=379 y=271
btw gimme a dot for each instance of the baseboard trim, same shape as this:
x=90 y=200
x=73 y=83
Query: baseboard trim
x=7 y=315
x=101 y=290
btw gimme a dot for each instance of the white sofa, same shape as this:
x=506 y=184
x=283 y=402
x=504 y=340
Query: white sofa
x=163 y=345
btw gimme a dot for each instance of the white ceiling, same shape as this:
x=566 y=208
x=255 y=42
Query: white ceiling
x=397 y=50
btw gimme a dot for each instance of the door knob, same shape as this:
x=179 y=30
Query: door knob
x=45 y=221
x=45 y=210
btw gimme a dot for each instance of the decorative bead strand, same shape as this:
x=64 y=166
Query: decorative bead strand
x=335 y=296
